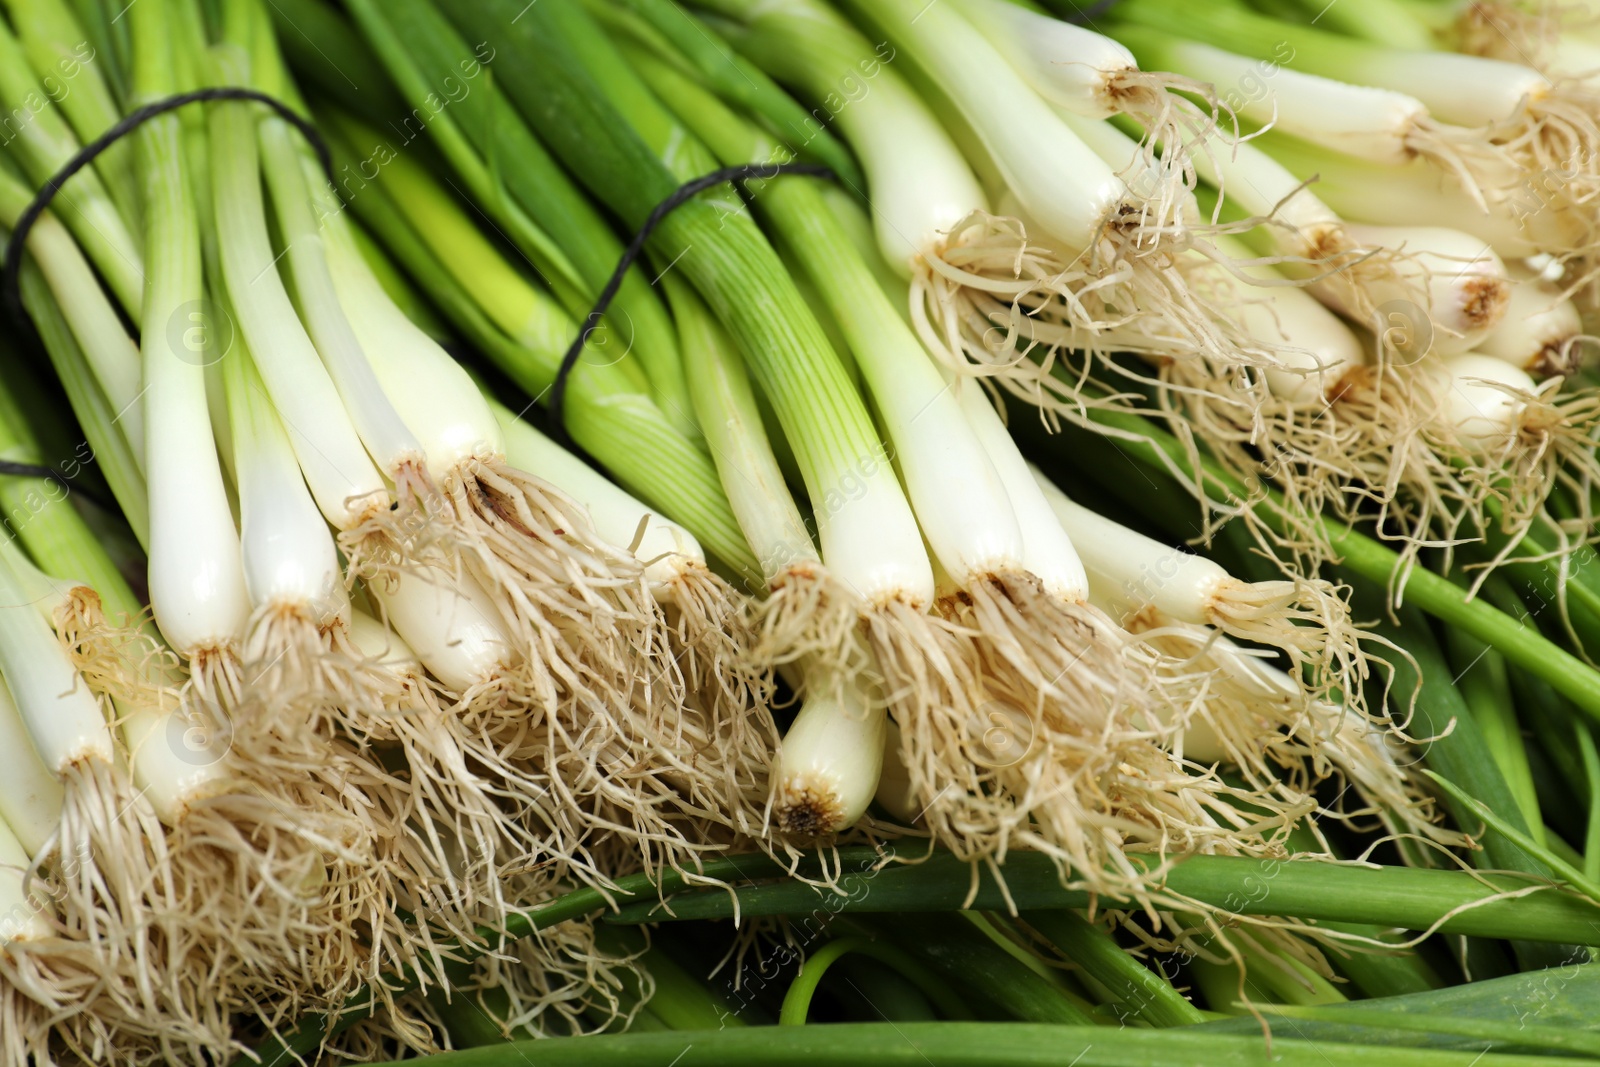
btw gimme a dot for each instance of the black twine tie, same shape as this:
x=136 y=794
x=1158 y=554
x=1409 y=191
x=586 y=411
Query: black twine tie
x=11 y=468
x=130 y=122
x=630 y=255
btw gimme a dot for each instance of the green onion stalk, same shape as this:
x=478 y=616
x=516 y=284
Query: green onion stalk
x=996 y=1044
x=828 y=766
x=90 y=350
x=40 y=138
x=78 y=78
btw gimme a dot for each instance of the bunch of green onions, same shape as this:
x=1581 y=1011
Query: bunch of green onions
x=401 y=679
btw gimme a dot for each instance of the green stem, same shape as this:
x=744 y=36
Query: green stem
x=566 y=73
x=1415 y=899
x=1480 y=674
x=972 y=1044
x=106 y=445
x=726 y=405
x=512 y=178
x=1376 y=973
x=1290 y=981
x=1559 y=867
x=966 y=956
x=42 y=142
x=1591 y=771
x=41 y=515
x=1379 y=21
x=1566 y=997
x=69 y=67
x=744 y=85
x=312 y=33
x=682 y=1001
x=797 y=1001
x=1145 y=994
x=1528 y=1036
x=881 y=993
x=1382 y=974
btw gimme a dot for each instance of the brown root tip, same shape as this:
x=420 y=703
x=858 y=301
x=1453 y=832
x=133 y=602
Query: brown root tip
x=808 y=809
x=1353 y=380
x=1485 y=301
x=1327 y=242
x=803 y=572
x=952 y=601
x=1563 y=360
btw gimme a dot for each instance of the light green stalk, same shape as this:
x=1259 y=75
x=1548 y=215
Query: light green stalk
x=43 y=143
x=738 y=82
x=41 y=514
x=101 y=342
x=73 y=71
x=102 y=424
x=726 y=406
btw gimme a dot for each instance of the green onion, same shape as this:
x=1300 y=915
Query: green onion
x=42 y=142
x=979 y=1044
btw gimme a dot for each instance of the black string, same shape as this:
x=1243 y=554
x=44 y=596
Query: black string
x=630 y=255
x=36 y=470
x=130 y=122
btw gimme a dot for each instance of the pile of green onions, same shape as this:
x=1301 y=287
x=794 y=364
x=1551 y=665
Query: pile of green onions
x=341 y=686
